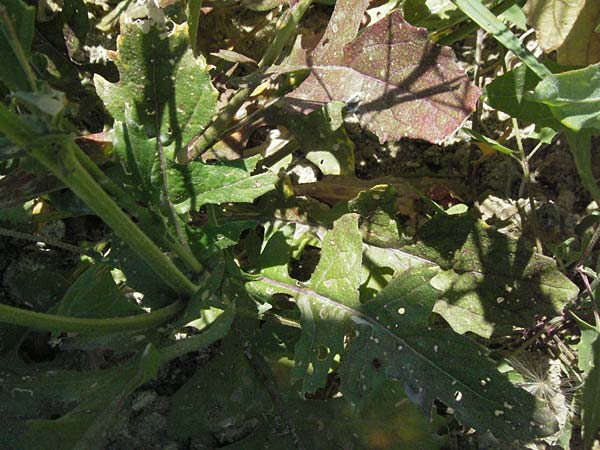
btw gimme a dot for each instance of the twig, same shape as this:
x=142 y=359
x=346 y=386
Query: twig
x=45 y=240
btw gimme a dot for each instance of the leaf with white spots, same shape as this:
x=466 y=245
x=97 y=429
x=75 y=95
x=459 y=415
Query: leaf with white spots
x=397 y=82
x=390 y=337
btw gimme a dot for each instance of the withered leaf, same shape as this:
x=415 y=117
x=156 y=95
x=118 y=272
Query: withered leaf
x=397 y=82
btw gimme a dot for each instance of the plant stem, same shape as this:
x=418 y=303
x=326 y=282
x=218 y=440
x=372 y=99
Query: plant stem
x=59 y=154
x=51 y=322
x=286 y=27
x=60 y=158
x=128 y=202
x=46 y=240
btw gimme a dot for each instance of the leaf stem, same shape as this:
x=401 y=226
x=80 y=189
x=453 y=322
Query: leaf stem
x=51 y=322
x=527 y=179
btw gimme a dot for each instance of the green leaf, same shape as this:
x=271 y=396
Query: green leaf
x=580 y=145
x=214 y=331
x=193 y=14
x=87 y=402
x=506 y=93
x=573 y=97
x=392 y=339
x=139 y=152
x=162 y=86
x=216 y=399
x=337 y=276
x=197 y=183
x=262 y=412
x=490 y=282
x=17 y=20
x=321 y=136
x=395 y=93
x=491 y=142
x=483 y=17
x=431 y=14
x=95 y=295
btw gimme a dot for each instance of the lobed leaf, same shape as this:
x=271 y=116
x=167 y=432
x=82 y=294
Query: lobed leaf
x=162 y=86
x=196 y=184
x=392 y=339
x=490 y=282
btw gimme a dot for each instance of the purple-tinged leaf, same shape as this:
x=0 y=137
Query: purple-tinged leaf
x=391 y=76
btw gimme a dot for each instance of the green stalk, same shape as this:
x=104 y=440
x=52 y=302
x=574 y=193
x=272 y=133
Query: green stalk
x=59 y=156
x=51 y=322
x=286 y=26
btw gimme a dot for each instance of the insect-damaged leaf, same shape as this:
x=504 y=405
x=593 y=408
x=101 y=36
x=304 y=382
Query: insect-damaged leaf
x=392 y=339
x=391 y=76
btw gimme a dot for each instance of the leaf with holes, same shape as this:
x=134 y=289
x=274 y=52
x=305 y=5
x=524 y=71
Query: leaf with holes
x=391 y=76
x=390 y=337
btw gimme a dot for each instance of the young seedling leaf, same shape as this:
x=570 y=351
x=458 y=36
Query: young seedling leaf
x=391 y=76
